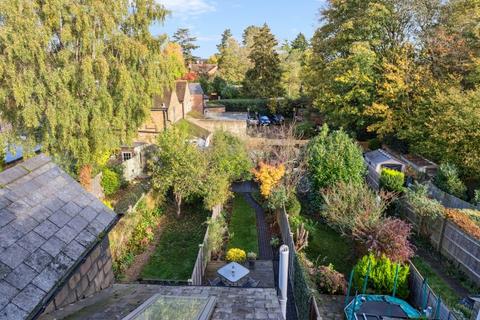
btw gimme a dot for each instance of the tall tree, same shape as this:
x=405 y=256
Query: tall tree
x=300 y=43
x=248 y=36
x=183 y=37
x=291 y=64
x=233 y=61
x=78 y=77
x=226 y=35
x=263 y=80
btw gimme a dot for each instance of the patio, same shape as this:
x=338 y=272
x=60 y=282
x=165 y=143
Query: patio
x=262 y=272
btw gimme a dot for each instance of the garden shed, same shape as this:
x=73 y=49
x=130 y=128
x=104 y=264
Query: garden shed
x=379 y=159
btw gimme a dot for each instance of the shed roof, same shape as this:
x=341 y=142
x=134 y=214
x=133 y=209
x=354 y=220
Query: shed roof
x=380 y=156
x=48 y=222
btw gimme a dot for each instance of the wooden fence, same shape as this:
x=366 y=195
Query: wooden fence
x=304 y=300
x=423 y=297
x=448 y=239
x=204 y=254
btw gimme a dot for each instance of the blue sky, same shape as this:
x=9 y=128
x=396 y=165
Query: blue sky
x=207 y=19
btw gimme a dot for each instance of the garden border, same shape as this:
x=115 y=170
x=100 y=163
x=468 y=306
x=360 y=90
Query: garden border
x=204 y=253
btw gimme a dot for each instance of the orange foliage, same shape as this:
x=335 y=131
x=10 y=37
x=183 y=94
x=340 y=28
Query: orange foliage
x=268 y=176
x=191 y=76
x=464 y=222
x=85 y=177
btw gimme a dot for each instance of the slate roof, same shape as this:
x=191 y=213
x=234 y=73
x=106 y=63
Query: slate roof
x=195 y=88
x=48 y=222
x=120 y=300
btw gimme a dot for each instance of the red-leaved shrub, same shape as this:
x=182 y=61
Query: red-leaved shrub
x=330 y=281
x=389 y=237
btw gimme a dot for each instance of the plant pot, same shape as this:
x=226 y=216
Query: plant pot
x=251 y=264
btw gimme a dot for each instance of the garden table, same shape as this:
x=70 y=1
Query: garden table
x=233 y=274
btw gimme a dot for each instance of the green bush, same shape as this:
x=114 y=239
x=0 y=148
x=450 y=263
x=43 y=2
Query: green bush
x=111 y=181
x=304 y=130
x=449 y=181
x=374 y=144
x=242 y=105
x=334 y=157
x=294 y=207
x=392 y=180
x=381 y=277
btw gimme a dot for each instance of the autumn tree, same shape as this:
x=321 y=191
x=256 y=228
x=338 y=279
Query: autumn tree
x=183 y=37
x=233 y=61
x=263 y=79
x=78 y=77
x=269 y=176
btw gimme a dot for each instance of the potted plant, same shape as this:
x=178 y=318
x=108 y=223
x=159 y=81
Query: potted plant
x=275 y=242
x=251 y=256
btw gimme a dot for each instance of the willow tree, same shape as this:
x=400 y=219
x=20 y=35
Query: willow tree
x=78 y=77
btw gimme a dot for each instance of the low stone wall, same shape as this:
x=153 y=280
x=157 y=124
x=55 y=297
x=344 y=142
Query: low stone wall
x=93 y=275
x=236 y=127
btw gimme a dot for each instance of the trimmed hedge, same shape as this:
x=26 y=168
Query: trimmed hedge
x=283 y=106
x=111 y=181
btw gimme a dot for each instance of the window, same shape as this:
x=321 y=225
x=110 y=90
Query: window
x=126 y=156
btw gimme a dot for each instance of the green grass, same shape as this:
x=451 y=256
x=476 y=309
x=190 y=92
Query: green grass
x=193 y=129
x=176 y=252
x=243 y=226
x=440 y=287
x=326 y=246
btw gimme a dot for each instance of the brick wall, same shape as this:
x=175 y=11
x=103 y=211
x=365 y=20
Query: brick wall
x=93 y=275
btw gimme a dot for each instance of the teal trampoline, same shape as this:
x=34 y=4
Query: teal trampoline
x=375 y=307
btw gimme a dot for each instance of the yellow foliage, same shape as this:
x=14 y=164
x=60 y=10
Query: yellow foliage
x=268 y=176
x=236 y=255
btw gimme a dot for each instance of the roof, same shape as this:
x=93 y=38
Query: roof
x=181 y=88
x=120 y=300
x=203 y=68
x=380 y=156
x=48 y=222
x=195 y=88
x=166 y=100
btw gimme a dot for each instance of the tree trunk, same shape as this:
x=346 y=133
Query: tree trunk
x=178 y=200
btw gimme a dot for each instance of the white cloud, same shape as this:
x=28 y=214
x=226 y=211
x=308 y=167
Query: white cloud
x=188 y=7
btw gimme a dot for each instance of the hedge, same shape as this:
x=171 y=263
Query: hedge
x=283 y=106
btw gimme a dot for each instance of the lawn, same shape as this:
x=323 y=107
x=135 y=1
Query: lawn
x=175 y=255
x=326 y=246
x=243 y=226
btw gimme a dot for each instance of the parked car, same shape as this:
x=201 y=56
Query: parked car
x=252 y=120
x=264 y=121
x=278 y=119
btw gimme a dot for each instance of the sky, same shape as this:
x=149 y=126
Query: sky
x=207 y=19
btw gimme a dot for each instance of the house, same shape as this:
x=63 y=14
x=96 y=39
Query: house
x=53 y=248
x=184 y=96
x=134 y=160
x=197 y=96
x=202 y=69
x=166 y=110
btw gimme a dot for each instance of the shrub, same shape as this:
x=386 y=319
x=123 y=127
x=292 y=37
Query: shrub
x=242 y=105
x=462 y=220
x=269 y=177
x=111 y=181
x=334 y=157
x=473 y=214
x=417 y=198
x=374 y=144
x=330 y=281
x=277 y=198
x=448 y=180
x=389 y=237
x=304 y=130
x=392 y=180
x=347 y=204
x=381 y=276
x=252 y=256
x=236 y=255
x=476 y=197
x=294 y=207
x=217 y=228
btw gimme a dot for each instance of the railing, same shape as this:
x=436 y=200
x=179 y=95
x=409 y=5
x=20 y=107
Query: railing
x=203 y=255
x=305 y=302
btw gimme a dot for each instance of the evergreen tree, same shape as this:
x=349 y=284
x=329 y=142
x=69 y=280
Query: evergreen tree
x=233 y=61
x=226 y=35
x=78 y=77
x=183 y=37
x=263 y=80
x=300 y=43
